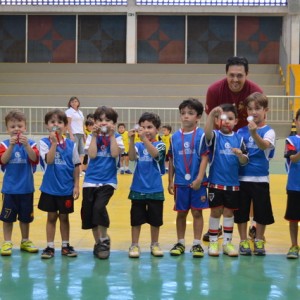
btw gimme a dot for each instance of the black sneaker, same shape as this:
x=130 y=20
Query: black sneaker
x=205 y=237
x=102 y=249
x=68 y=251
x=177 y=250
x=48 y=253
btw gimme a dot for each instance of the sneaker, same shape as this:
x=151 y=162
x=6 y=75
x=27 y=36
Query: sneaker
x=244 y=248
x=68 y=251
x=48 y=253
x=197 y=251
x=134 y=252
x=293 y=252
x=259 y=248
x=28 y=246
x=205 y=237
x=128 y=172
x=252 y=232
x=213 y=249
x=156 y=250
x=102 y=249
x=177 y=250
x=6 y=249
x=122 y=172
x=229 y=250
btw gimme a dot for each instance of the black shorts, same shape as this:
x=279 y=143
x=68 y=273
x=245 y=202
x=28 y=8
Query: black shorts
x=225 y=198
x=85 y=159
x=259 y=194
x=146 y=211
x=53 y=203
x=14 y=205
x=93 y=208
x=292 y=212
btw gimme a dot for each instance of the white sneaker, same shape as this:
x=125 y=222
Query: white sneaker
x=134 y=252
x=229 y=250
x=156 y=250
x=213 y=249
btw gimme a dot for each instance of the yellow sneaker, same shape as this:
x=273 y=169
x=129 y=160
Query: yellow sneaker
x=6 y=249
x=156 y=250
x=229 y=250
x=28 y=246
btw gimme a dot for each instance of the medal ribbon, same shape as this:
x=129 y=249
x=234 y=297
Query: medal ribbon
x=187 y=163
x=103 y=139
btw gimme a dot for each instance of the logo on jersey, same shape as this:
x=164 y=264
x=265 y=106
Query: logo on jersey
x=18 y=159
x=58 y=159
x=227 y=150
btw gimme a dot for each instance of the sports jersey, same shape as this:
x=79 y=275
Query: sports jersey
x=148 y=171
x=18 y=172
x=182 y=142
x=257 y=169
x=125 y=140
x=103 y=168
x=58 y=177
x=292 y=147
x=224 y=164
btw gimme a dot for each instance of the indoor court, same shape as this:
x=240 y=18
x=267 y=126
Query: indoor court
x=27 y=276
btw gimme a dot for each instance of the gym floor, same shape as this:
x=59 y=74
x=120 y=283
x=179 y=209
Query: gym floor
x=27 y=276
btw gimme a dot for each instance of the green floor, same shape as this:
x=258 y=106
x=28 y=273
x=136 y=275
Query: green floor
x=26 y=276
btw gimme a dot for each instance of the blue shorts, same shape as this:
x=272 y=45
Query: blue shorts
x=186 y=198
x=14 y=205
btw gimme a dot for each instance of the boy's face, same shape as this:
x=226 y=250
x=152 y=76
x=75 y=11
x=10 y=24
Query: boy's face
x=90 y=128
x=15 y=127
x=121 y=129
x=257 y=112
x=55 y=124
x=103 y=121
x=189 y=118
x=227 y=124
x=165 y=131
x=149 y=129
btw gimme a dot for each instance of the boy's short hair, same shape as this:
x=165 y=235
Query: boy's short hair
x=109 y=112
x=71 y=99
x=15 y=115
x=89 y=123
x=150 y=117
x=259 y=99
x=227 y=107
x=192 y=103
x=297 y=114
x=90 y=116
x=56 y=112
x=237 y=61
x=168 y=127
x=121 y=124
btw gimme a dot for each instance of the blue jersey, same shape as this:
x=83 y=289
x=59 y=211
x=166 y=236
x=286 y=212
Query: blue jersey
x=182 y=144
x=103 y=168
x=292 y=147
x=18 y=172
x=148 y=171
x=58 y=178
x=224 y=164
x=258 y=165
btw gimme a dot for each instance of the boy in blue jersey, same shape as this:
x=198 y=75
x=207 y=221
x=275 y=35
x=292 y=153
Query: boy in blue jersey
x=103 y=146
x=18 y=157
x=146 y=191
x=188 y=162
x=60 y=185
x=226 y=153
x=254 y=177
x=292 y=213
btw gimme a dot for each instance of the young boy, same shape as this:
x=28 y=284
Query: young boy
x=146 y=191
x=226 y=153
x=18 y=157
x=124 y=161
x=60 y=185
x=292 y=214
x=254 y=177
x=89 y=125
x=103 y=147
x=188 y=161
x=166 y=139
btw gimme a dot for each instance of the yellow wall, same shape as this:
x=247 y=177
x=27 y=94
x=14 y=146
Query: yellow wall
x=295 y=69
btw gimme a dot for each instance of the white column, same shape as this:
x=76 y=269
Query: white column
x=131 y=33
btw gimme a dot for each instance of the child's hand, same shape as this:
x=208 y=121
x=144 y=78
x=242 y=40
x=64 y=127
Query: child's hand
x=23 y=139
x=96 y=130
x=76 y=193
x=111 y=129
x=238 y=152
x=141 y=133
x=14 y=140
x=131 y=133
x=171 y=188
x=216 y=112
x=252 y=127
x=53 y=137
x=195 y=185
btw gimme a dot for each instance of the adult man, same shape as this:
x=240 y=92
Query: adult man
x=235 y=88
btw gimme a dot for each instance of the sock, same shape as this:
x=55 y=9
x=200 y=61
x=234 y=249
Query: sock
x=213 y=229
x=126 y=168
x=196 y=242
x=228 y=228
x=103 y=239
x=24 y=240
x=64 y=243
x=8 y=241
x=50 y=244
x=181 y=241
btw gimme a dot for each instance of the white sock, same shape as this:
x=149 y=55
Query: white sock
x=50 y=244
x=196 y=242
x=214 y=227
x=228 y=229
x=64 y=243
x=181 y=241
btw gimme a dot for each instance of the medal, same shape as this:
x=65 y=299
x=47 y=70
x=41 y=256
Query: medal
x=250 y=118
x=187 y=176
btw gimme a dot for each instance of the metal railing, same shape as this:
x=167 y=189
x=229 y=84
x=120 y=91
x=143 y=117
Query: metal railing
x=281 y=111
